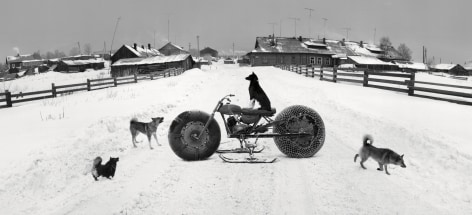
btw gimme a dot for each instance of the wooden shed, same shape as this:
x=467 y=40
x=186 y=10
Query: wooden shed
x=131 y=66
x=134 y=51
x=208 y=52
x=172 y=49
x=79 y=65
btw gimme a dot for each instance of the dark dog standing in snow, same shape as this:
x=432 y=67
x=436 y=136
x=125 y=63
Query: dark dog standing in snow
x=107 y=170
x=256 y=93
x=147 y=128
x=382 y=156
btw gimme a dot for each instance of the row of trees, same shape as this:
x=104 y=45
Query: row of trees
x=404 y=51
x=87 y=49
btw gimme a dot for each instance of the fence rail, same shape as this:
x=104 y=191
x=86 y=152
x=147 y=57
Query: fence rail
x=92 y=84
x=371 y=78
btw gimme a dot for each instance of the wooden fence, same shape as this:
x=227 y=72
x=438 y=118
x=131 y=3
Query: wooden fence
x=386 y=80
x=92 y=84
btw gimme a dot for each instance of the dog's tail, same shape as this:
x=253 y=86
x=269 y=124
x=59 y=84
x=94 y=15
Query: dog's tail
x=368 y=140
x=97 y=161
x=355 y=157
x=134 y=119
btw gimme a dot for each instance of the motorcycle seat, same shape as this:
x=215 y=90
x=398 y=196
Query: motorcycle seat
x=250 y=111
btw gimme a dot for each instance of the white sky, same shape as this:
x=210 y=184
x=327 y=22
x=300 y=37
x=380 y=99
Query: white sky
x=29 y=25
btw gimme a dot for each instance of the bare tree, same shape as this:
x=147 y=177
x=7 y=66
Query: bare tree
x=74 y=51
x=385 y=43
x=404 y=51
x=87 y=49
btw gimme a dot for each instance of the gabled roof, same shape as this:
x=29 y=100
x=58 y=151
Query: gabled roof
x=444 y=66
x=19 y=58
x=208 y=49
x=143 y=52
x=412 y=65
x=173 y=46
x=290 y=45
x=151 y=60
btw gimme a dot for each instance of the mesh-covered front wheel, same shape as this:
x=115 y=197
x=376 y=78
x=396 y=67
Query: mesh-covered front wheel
x=184 y=135
x=299 y=119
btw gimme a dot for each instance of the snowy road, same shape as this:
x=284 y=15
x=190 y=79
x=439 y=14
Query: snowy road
x=42 y=172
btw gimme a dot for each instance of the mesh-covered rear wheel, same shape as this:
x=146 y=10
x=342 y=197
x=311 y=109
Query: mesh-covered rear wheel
x=184 y=135
x=299 y=119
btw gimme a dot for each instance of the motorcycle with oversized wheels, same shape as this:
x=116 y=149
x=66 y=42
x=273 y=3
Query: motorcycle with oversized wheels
x=298 y=131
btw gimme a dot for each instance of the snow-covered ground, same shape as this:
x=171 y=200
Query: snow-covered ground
x=47 y=145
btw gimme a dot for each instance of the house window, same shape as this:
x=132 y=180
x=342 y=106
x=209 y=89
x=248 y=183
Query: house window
x=312 y=60
x=327 y=61
x=318 y=61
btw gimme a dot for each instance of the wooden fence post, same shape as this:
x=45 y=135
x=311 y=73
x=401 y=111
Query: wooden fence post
x=411 y=85
x=335 y=73
x=88 y=85
x=299 y=69
x=115 y=82
x=54 y=92
x=8 y=98
x=151 y=76
x=312 y=71
x=321 y=73
x=366 y=78
x=135 y=78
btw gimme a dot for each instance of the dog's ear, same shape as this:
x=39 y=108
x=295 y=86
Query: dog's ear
x=402 y=156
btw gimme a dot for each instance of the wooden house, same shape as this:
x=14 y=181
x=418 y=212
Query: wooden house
x=17 y=60
x=135 y=51
x=79 y=65
x=131 y=66
x=452 y=69
x=270 y=51
x=208 y=52
x=172 y=49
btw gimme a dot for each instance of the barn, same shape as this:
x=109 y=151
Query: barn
x=172 y=49
x=79 y=65
x=135 y=51
x=131 y=66
x=271 y=51
x=452 y=69
x=208 y=52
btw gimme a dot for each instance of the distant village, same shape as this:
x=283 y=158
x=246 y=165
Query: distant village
x=268 y=51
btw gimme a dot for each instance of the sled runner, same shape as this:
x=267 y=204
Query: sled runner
x=247 y=160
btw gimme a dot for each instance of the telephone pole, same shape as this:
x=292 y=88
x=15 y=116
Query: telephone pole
x=113 y=39
x=198 y=46
x=273 y=24
x=347 y=33
x=310 y=10
x=324 y=27
x=295 y=21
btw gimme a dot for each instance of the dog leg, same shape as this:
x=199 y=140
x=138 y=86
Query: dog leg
x=386 y=169
x=380 y=167
x=355 y=157
x=155 y=137
x=149 y=141
x=362 y=162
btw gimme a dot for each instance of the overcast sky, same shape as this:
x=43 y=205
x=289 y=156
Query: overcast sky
x=443 y=26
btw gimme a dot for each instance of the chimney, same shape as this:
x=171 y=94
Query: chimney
x=324 y=40
x=135 y=46
x=343 y=42
x=149 y=46
x=362 y=44
x=142 y=46
x=300 y=38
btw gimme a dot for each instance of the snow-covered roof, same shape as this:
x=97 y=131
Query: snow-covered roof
x=363 y=60
x=19 y=58
x=444 y=66
x=412 y=65
x=151 y=60
x=83 y=62
x=143 y=52
x=290 y=45
x=468 y=66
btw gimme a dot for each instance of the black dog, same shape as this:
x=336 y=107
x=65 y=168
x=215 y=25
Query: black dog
x=107 y=170
x=256 y=92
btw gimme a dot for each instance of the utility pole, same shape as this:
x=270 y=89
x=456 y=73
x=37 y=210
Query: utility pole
x=80 y=52
x=168 y=30
x=295 y=21
x=375 y=32
x=233 y=51
x=324 y=27
x=154 y=38
x=198 y=46
x=310 y=10
x=273 y=24
x=347 y=33
x=280 y=28
x=116 y=26
x=189 y=47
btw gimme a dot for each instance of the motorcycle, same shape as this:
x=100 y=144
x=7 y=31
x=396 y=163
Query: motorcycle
x=298 y=131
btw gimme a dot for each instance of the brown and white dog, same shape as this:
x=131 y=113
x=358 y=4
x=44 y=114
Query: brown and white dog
x=147 y=128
